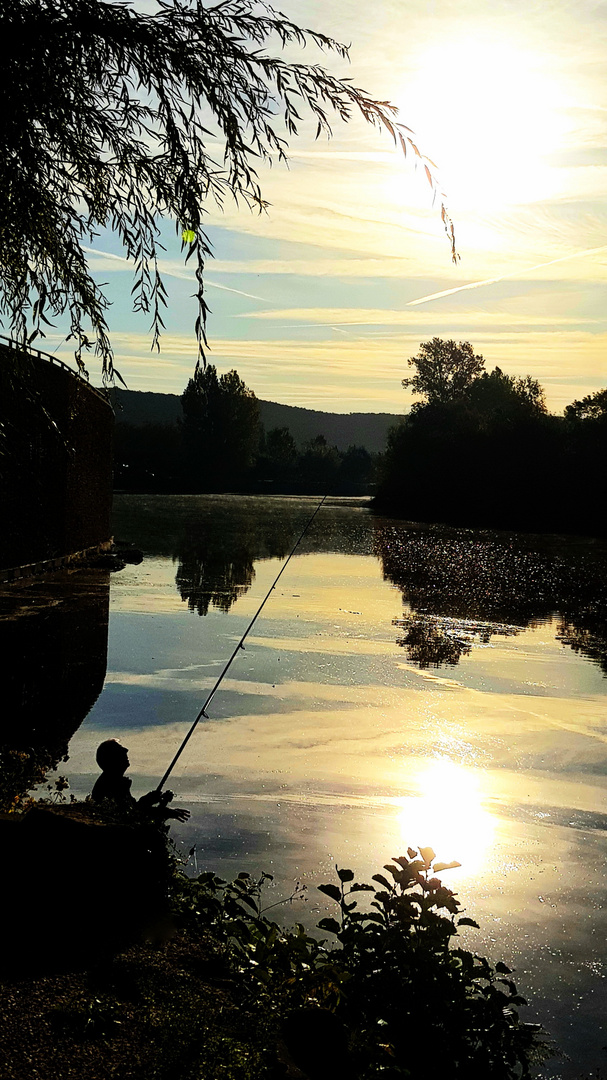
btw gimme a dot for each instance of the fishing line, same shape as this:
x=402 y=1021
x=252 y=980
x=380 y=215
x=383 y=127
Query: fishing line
x=202 y=713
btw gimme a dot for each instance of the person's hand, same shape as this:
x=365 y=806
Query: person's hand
x=179 y=814
x=151 y=798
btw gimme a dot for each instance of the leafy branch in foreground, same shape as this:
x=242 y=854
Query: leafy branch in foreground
x=401 y=993
x=116 y=118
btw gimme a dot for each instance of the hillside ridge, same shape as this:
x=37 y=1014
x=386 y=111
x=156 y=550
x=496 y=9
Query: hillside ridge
x=370 y=430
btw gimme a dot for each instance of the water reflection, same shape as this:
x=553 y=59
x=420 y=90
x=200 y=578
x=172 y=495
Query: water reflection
x=216 y=540
x=448 y=815
x=211 y=573
x=53 y=649
x=432 y=641
x=465 y=586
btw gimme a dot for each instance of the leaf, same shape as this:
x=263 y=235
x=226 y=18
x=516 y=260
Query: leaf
x=416 y=867
x=427 y=854
x=330 y=890
x=249 y=902
x=445 y=866
x=382 y=881
x=394 y=870
x=345 y=875
x=411 y=852
x=469 y=922
x=361 y=888
x=503 y=968
x=331 y=925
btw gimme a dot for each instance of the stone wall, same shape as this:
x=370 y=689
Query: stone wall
x=55 y=460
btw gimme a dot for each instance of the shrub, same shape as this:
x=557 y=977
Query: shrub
x=406 y=997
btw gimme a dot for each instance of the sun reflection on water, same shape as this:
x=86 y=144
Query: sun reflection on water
x=448 y=815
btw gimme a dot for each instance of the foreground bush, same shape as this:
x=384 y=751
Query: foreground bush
x=165 y=977
x=387 y=995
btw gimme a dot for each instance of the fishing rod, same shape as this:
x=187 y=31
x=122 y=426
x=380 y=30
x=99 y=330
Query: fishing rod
x=203 y=711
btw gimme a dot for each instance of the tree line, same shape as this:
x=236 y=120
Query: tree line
x=221 y=445
x=480 y=449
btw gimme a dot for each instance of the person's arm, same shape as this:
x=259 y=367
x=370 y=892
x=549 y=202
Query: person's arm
x=161 y=799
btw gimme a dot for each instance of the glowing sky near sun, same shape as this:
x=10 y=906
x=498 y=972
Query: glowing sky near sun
x=313 y=302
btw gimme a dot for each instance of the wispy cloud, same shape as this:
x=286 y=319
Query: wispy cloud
x=353 y=373
x=325 y=265
x=337 y=317
x=504 y=277
x=106 y=260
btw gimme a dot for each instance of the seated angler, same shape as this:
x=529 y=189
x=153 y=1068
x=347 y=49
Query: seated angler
x=113 y=760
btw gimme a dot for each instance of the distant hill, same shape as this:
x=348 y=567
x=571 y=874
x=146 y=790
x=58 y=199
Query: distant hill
x=339 y=429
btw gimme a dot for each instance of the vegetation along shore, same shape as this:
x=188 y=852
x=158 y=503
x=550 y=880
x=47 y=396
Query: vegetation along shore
x=211 y=987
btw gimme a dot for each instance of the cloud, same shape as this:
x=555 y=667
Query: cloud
x=323 y=266
x=106 y=260
x=504 y=277
x=354 y=373
x=302 y=317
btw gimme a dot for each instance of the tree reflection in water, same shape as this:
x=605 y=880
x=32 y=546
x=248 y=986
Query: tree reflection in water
x=432 y=640
x=217 y=557
x=464 y=586
x=216 y=540
x=209 y=573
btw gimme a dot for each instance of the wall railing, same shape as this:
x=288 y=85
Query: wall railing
x=17 y=346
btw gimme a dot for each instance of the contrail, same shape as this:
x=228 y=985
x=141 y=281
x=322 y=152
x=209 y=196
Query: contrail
x=177 y=273
x=226 y=288
x=492 y=281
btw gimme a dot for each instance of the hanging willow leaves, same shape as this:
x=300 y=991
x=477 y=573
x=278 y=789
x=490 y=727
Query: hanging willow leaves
x=116 y=118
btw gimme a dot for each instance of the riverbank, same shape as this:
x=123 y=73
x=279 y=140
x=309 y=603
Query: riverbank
x=150 y=1013
x=232 y=994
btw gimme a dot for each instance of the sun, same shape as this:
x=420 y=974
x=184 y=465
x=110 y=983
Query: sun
x=491 y=116
x=449 y=815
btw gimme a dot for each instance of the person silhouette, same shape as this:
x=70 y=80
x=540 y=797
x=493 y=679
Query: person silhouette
x=113 y=760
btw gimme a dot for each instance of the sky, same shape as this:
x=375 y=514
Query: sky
x=321 y=301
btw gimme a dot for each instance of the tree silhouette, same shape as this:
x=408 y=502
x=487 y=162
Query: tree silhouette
x=479 y=449
x=445 y=371
x=495 y=397
x=114 y=117
x=220 y=428
x=591 y=407
x=280 y=446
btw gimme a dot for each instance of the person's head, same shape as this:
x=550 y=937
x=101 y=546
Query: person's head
x=112 y=757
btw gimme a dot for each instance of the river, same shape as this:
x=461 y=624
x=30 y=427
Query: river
x=404 y=685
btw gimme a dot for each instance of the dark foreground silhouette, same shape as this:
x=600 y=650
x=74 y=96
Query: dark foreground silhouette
x=86 y=880
x=113 y=786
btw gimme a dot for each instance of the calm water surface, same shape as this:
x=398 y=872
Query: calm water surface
x=475 y=723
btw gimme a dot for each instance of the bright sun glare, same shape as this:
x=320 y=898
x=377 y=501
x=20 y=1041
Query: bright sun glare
x=448 y=815
x=490 y=116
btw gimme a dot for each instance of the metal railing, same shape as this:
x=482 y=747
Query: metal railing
x=17 y=346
